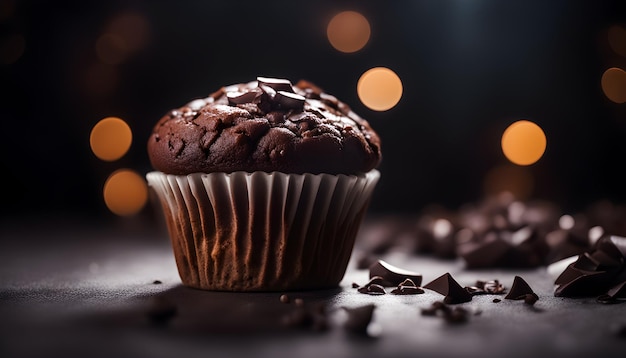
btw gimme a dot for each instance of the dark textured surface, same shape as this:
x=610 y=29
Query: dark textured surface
x=246 y=127
x=89 y=289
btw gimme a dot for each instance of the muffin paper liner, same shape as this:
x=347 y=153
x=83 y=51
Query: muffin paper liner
x=262 y=231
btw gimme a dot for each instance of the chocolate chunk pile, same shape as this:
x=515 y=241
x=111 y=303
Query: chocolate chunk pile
x=383 y=274
x=600 y=271
x=271 y=93
x=499 y=231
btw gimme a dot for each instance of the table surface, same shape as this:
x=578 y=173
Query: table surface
x=78 y=288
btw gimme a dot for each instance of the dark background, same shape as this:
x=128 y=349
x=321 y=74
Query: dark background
x=469 y=69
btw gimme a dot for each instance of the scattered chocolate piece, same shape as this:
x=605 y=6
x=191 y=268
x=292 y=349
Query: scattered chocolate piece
x=458 y=315
x=407 y=287
x=618 y=291
x=355 y=285
x=359 y=318
x=530 y=298
x=284 y=298
x=447 y=286
x=407 y=290
x=493 y=287
x=408 y=282
x=450 y=315
x=496 y=300
x=372 y=289
x=313 y=317
x=391 y=275
x=156 y=282
x=375 y=280
x=520 y=290
x=600 y=271
x=161 y=310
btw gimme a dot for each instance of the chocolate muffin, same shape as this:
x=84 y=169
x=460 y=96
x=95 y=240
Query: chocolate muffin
x=268 y=126
x=264 y=185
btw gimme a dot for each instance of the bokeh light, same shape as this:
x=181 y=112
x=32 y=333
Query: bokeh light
x=125 y=192
x=614 y=84
x=110 y=138
x=132 y=28
x=379 y=89
x=510 y=178
x=617 y=39
x=523 y=142
x=111 y=49
x=7 y=9
x=12 y=48
x=348 y=31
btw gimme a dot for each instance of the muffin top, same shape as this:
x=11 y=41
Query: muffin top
x=264 y=125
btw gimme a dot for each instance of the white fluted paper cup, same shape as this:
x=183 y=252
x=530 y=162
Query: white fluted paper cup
x=263 y=231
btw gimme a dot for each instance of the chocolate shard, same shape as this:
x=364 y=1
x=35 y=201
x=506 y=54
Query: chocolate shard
x=407 y=290
x=372 y=289
x=447 y=286
x=586 y=283
x=393 y=276
x=530 y=298
x=313 y=317
x=277 y=84
x=493 y=287
x=519 y=290
x=235 y=98
x=598 y=272
x=618 y=291
x=615 y=246
x=450 y=315
x=288 y=100
x=408 y=282
x=570 y=273
x=359 y=318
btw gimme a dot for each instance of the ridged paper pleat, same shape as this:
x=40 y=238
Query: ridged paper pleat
x=263 y=231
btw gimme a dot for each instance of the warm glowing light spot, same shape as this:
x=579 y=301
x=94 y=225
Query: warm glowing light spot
x=379 y=89
x=7 y=9
x=125 y=192
x=617 y=39
x=348 y=31
x=614 y=84
x=523 y=142
x=11 y=48
x=110 y=138
x=133 y=28
x=509 y=178
x=111 y=49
